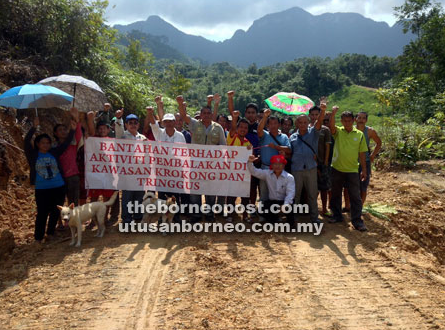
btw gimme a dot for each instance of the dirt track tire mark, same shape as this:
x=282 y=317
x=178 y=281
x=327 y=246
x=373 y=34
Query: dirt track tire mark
x=137 y=305
x=356 y=295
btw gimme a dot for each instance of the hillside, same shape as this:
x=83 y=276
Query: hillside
x=357 y=98
x=284 y=36
x=153 y=44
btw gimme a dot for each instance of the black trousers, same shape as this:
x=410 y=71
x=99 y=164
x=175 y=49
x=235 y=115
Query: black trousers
x=271 y=217
x=351 y=181
x=47 y=201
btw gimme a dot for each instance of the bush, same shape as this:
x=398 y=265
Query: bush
x=406 y=142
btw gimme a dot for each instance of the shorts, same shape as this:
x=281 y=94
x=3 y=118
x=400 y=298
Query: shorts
x=95 y=193
x=364 y=184
x=323 y=178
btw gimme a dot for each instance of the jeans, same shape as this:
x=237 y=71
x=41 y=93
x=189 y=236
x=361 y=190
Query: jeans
x=351 y=181
x=308 y=180
x=131 y=196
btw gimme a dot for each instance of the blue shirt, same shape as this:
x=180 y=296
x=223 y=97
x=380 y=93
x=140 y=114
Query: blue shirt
x=267 y=152
x=187 y=136
x=47 y=172
x=302 y=155
x=253 y=138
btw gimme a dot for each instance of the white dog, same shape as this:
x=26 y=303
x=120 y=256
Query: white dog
x=150 y=198
x=76 y=216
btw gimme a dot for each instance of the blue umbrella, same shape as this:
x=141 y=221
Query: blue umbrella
x=34 y=96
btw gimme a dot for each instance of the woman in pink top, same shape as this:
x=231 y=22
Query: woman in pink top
x=70 y=171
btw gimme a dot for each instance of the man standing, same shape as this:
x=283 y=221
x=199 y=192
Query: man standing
x=167 y=134
x=237 y=137
x=207 y=132
x=370 y=134
x=131 y=132
x=304 y=143
x=179 y=125
x=251 y=114
x=323 y=153
x=286 y=126
x=350 y=145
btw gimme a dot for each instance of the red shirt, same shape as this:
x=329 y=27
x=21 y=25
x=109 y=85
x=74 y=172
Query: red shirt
x=68 y=158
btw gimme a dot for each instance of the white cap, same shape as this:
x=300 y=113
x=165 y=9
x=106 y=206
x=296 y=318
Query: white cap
x=168 y=116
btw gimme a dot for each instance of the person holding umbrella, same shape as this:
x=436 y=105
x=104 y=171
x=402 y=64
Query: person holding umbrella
x=68 y=162
x=304 y=143
x=46 y=176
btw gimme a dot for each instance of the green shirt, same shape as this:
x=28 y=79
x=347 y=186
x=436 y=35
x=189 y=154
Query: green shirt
x=347 y=148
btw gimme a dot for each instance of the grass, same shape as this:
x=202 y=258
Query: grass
x=357 y=98
x=380 y=210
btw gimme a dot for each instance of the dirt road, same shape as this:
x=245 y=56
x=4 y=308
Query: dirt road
x=343 y=279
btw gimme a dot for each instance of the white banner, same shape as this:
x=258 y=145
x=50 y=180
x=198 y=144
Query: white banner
x=121 y=164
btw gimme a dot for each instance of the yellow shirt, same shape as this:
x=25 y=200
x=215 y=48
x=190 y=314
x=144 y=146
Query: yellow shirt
x=236 y=141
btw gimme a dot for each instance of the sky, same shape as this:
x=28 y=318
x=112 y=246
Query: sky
x=219 y=19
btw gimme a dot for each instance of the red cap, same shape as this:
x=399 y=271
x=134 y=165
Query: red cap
x=277 y=159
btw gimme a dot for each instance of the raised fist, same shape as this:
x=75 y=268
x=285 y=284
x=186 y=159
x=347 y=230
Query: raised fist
x=74 y=114
x=73 y=124
x=252 y=158
x=119 y=113
x=180 y=99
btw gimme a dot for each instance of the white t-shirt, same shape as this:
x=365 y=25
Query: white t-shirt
x=161 y=136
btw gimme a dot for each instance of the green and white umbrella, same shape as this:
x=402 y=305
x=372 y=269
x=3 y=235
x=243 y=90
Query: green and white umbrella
x=290 y=103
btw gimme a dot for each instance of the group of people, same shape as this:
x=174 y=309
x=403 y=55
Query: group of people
x=294 y=159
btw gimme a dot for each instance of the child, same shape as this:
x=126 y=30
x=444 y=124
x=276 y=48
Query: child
x=237 y=137
x=46 y=175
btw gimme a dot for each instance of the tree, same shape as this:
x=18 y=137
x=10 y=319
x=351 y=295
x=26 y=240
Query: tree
x=424 y=57
x=176 y=83
x=137 y=59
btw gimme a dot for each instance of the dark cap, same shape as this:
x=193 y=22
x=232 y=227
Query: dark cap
x=102 y=122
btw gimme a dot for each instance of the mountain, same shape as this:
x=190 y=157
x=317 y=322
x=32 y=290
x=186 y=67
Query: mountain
x=153 y=44
x=284 y=36
x=191 y=46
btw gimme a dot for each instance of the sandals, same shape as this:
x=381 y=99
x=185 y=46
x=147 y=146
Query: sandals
x=327 y=214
